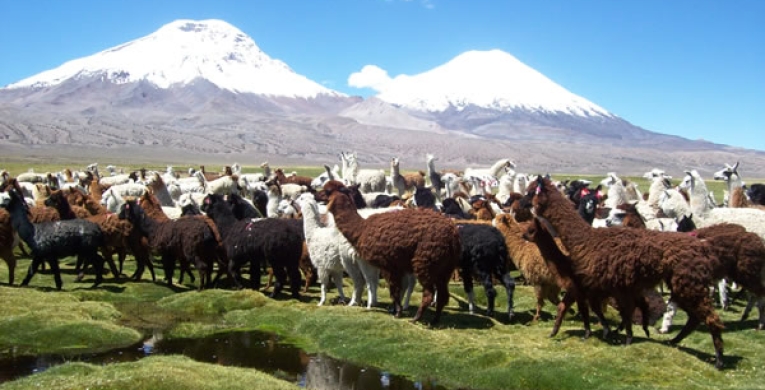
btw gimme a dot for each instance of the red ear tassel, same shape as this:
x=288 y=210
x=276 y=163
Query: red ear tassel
x=538 y=190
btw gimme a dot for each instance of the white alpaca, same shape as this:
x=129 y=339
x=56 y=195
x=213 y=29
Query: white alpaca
x=369 y=180
x=520 y=183
x=506 y=186
x=292 y=191
x=274 y=198
x=224 y=185
x=114 y=180
x=328 y=254
x=490 y=176
x=327 y=175
x=31 y=177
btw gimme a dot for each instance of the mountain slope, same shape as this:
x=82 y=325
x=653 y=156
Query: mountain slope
x=180 y=53
x=488 y=79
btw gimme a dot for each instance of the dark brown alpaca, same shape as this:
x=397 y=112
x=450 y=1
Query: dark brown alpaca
x=416 y=241
x=623 y=262
x=6 y=243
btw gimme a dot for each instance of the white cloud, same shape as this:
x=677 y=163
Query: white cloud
x=370 y=76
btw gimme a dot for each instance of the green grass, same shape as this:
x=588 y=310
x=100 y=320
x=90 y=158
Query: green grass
x=464 y=351
x=151 y=373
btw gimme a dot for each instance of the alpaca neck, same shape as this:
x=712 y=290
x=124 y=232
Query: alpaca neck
x=348 y=220
x=734 y=182
x=516 y=245
x=574 y=231
x=311 y=220
x=699 y=198
x=146 y=224
x=431 y=167
x=655 y=191
x=496 y=168
x=272 y=207
x=21 y=224
x=223 y=218
x=266 y=171
x=65 y=210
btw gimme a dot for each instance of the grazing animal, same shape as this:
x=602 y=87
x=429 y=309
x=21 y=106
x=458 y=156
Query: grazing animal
x=623 y=262
x=408 y=241
x=50 y=241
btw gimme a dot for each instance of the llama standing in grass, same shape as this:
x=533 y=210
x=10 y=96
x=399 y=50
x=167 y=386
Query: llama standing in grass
x=416 y=241
x=369 y=180
x=623 y=262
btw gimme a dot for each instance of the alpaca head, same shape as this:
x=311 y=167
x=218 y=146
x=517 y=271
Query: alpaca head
x=539 y=192
x=56 y=200
x=131 y=211
x=728 y=174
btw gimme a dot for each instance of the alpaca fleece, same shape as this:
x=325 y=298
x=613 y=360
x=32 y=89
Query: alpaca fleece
x=7 y=243
x=256 y=242
x=527 y=257
x=624 y=262
x=416 y=241
x=484 y=254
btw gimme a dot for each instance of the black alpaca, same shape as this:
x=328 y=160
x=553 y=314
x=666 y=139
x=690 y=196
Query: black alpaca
x=50 y=241
x=256 y=242
x=484 y=255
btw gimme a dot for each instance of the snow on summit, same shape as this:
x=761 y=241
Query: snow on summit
x=183 y=51
x=489 y=79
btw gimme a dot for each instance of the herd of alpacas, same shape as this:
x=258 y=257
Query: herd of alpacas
x=602 y=244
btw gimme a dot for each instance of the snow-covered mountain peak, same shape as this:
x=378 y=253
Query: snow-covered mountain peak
x=490 y=79
x=183 y=51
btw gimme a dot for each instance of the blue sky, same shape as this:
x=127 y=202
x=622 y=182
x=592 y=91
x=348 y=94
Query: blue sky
x=694 y=68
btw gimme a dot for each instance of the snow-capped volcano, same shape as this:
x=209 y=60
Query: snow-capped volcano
x=493 y=80
x=184 y=51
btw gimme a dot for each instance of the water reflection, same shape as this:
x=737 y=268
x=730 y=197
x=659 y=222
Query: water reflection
x=262 y=351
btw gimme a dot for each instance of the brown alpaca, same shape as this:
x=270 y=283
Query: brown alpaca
x=119 y=236
x=7 y=243
x=416 y=241
x=481 y=209
x=295 y=179
x=529 y=261
x=738 y=199
x=632 y=219
x=623 y=262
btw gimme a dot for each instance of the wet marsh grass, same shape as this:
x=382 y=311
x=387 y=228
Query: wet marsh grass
x=464 y=351
x=151 y=373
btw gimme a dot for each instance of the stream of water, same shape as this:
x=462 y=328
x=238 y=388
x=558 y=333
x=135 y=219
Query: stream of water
x=258 y=350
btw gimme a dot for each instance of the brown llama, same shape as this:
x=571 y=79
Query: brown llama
x=623 y=262
x=403 y=242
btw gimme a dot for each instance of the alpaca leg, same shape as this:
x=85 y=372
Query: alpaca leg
x=584 y=311
x=294 y=275
x=31 y=271
x=98 y=264
x=491 y=293
x=358 y=282
x=442 y=288
x=597 y=307
x=722 y=290
x=626 y=308
x=428 y=290
x=540 y=302
x=53 y=262
x=280 y=275
x=107 y=256
x=467 y=285
x=323 y=281
x=23 y=250
x=10 y=260
x=168 y=265
x=761 y=310
x=642 y=304
x=562 y=307
x=669 y=315
x=337 y=277
x=509 y=283
x=233 y=269
x=394 y=285
x=372 y=277
x=408 y=281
